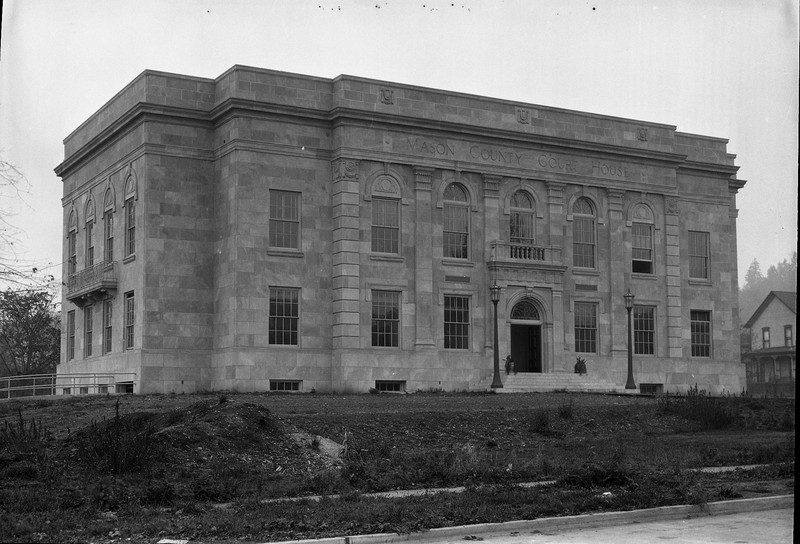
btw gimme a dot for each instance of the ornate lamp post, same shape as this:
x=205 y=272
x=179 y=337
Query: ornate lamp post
x=628 y=306
x=496 y=383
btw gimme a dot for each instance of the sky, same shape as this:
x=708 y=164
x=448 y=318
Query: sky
x=723 y=68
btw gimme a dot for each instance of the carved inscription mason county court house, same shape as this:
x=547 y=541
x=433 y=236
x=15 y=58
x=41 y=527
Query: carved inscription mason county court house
x=273 y=231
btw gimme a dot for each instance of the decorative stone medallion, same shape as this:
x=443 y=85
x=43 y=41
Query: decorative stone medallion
x=387 y=95
x=672 y=206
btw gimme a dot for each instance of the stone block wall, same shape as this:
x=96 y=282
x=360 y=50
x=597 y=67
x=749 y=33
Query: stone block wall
x=206 y=153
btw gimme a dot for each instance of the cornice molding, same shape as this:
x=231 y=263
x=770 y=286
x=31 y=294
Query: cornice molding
x=339 y=117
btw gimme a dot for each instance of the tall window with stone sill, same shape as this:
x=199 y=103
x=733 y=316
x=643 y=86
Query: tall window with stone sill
x=284 y=316
x=642 y=247
x=130 y=320
x=583 y=234
x=456 y=322
x=70 y=335
x=585 y=327
x=700 y=328
x=644 y=330
x=89 y=244
x=386 y=226
x=455 y=208
x=107 y=325
x=130 y=227
x=386 y=319
x=72 y=249
x=522 y=219
x=699 y=249
x=284 y=219
x=108 y=225
x=88 y=329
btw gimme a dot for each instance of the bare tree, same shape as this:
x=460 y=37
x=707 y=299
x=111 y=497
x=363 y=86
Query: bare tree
x=14 y=273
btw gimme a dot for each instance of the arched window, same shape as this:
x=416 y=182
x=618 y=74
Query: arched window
x=108 y=225
x=130 y=217
x=72 y=243
x=642 y=240
x=89 y=233
x=456 y=222
x=525 y=310
x=385 y=195
x=522 y=218
x=583 y=234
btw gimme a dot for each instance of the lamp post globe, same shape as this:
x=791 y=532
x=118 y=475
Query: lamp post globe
x=496 y=382
x=628 y=306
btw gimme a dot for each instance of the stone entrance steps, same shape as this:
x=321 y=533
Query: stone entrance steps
x=525 y=382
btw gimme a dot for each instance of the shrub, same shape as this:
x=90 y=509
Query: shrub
x=566 y=410
x=159 y=493
x=540 y=423
x=22 y=436
x=122 y=445
x=698 y=406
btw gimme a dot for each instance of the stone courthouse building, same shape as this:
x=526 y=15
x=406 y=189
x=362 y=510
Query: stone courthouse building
x=274 y=231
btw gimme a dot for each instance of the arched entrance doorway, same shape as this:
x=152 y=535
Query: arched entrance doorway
x=526 y=337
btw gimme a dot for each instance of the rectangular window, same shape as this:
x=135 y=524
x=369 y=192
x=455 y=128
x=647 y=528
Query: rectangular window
x=72 y=249
x=765 y=338
x=130 y=227
x=642 y=248
x=788 y=340
x=583 y=242
x=130 y=317
x=109 y=235
x=644 y=330
x=385 y=319
x=89 y=244
x=385 y=226
x=284 y=315
x=585 y=327
x=88 y=329
x=70 y=335
x=455 y=242
x=285 y=385
x=701 y=333
x=284 y=219
x=390 y=386
x=699 y=255
x=107 y=325
x=521 y=227
x=456 y=322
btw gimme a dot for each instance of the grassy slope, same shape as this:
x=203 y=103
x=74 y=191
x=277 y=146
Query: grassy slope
x=196 y=467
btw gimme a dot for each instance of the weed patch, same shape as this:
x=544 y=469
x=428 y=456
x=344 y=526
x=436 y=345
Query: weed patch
x=21 y=436
x=120 y=445
x=712 y=413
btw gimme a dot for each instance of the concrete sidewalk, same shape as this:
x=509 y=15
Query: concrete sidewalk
x=768 y=519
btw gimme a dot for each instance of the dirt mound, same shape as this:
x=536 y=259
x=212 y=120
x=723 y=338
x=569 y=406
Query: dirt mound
x=230 y=426
x=207 y=435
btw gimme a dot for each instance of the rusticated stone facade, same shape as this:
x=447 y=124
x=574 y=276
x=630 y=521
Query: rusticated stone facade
x=274 y=231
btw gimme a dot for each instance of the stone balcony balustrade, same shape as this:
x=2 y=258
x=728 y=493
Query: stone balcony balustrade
x=93 y=283
x=523 y=254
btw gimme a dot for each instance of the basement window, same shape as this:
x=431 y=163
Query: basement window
x=285 y=385
x=124 y=388
x=67 y=391
x=390 y=386
x=651 y=388
x=84 y=390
